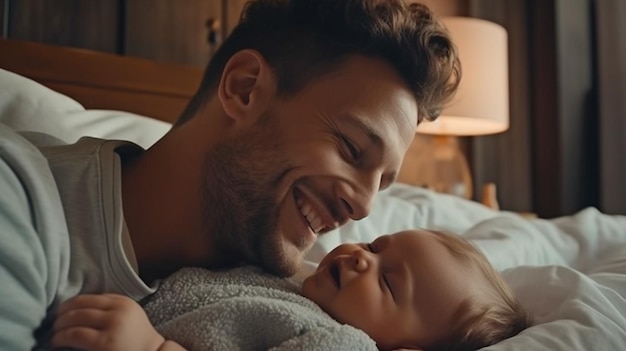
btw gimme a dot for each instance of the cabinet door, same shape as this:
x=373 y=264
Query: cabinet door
x=78 y=23
x=234 y=12
x=171 y=30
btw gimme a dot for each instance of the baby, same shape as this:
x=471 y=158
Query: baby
x=415 y=289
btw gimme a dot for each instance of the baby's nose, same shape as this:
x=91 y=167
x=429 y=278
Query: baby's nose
x=359 y=261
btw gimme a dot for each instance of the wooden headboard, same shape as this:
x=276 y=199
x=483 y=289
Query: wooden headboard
x=105 y=81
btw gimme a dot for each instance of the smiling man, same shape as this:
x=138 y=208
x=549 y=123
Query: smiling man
x=304 y=113
x=287 y=171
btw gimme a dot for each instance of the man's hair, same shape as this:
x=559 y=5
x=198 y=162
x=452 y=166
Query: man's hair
x=488 y=319
x=305 y=39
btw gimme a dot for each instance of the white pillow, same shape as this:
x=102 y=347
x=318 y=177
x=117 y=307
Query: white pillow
x=403 y=207
x=26 y=105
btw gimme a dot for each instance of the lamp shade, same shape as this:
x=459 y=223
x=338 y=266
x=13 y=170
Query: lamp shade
x=481 y=104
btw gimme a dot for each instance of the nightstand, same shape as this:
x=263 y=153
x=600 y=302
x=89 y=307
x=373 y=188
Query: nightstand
x=489 y=198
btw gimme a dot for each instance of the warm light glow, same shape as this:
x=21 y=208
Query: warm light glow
x=481 y=105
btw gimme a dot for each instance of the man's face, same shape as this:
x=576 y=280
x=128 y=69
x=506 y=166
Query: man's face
x=311 y=163
x=404 y=290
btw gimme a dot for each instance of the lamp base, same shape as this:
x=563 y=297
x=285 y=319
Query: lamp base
x=436 y=162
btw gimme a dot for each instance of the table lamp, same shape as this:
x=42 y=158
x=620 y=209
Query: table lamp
x=480 y=106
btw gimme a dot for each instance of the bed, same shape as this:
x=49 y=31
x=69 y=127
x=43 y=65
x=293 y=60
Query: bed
x=570 y=272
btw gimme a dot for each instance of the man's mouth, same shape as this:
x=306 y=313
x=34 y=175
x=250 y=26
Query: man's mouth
x=312 y=215
x=314 y=220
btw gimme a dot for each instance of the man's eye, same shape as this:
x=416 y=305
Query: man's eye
x=370 y=248
x=351 y=148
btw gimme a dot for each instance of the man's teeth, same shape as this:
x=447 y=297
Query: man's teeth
x=315 y=222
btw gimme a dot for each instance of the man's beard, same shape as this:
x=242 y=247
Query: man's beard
x=239 y=199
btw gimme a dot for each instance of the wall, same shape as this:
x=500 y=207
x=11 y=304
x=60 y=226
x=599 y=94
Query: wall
x=611 y=45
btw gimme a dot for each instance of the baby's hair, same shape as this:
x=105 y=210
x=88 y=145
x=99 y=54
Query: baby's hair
x=482 y=322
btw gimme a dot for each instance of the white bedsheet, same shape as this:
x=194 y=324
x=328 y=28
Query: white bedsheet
x=570 y=272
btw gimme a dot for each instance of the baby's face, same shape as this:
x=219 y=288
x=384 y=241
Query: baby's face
x=402 y=289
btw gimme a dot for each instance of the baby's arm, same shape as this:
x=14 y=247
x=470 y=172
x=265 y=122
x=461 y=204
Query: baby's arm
x=107 y=322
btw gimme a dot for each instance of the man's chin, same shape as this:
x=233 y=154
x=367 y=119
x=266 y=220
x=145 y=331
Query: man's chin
x=284 y=262
x=284 y=269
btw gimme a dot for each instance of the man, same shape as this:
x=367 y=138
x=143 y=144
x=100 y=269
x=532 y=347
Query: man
x=303 y=114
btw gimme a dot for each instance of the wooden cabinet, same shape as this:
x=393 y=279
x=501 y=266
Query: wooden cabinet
x=233 y=13
x=85 y=24
x=172 y=31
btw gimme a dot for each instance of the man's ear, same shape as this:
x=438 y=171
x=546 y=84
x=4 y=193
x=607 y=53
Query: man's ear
x=246 y=87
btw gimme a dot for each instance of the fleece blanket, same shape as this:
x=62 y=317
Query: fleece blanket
x=245 y=309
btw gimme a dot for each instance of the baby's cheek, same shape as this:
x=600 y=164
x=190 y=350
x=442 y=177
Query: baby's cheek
x=312 y=291
x=307 y=287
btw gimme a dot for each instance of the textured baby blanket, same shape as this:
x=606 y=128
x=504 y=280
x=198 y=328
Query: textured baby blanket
x=245 y=309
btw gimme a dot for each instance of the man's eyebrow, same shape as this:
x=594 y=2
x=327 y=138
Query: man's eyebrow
x=366 y=128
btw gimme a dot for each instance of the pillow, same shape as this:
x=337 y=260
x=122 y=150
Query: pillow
x=26 y=105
